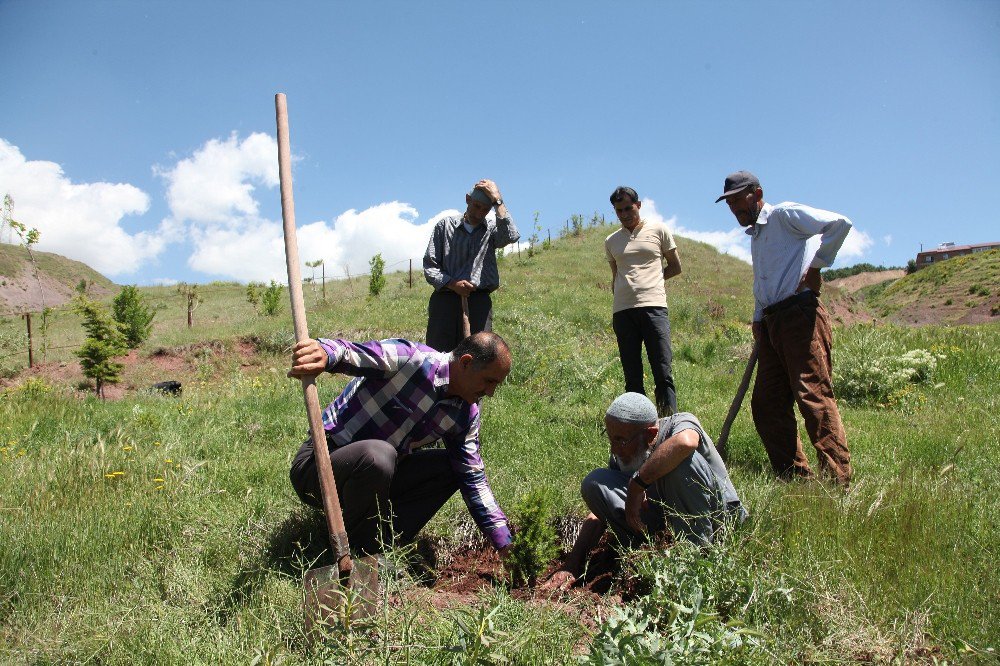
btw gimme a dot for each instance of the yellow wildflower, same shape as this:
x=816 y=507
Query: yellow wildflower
x=158 y=480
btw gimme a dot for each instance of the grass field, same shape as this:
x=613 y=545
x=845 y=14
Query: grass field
x=164 y=530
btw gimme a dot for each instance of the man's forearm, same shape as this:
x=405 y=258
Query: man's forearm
x=668 y=456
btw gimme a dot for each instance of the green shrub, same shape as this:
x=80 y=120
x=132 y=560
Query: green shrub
x=270 y=299
x=871 y=371
x=692 y=614
x=134 y=316
x=535 y=542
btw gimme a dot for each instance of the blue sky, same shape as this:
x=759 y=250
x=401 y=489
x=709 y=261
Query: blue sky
x=139 y=136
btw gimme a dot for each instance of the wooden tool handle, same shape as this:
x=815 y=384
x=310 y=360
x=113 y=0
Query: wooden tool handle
x=734 y=408
x=466 y=329
x=328 y=486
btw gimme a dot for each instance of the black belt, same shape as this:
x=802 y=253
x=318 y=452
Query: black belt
x=806 y=297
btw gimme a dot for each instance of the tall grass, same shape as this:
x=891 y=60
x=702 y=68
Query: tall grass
x=164 y=530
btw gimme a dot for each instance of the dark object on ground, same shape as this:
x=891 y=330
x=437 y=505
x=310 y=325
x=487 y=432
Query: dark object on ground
x=169 y=387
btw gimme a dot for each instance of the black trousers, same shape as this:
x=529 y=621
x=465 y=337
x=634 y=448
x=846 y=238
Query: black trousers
x=444 y=317
x=650 y=326
x=383 y=497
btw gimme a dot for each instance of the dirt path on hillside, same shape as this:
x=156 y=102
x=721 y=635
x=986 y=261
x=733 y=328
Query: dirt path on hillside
x=855 y=282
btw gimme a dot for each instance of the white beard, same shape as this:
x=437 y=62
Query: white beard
x=632 y=466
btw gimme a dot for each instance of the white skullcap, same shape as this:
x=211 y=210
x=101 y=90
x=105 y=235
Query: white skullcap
x=632 y=408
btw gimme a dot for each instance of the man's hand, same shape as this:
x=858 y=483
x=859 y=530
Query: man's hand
x=811 y=280
x=560 y=581
x=461 y=287
x=308 y=359
x=490 y=188
x=634 y=500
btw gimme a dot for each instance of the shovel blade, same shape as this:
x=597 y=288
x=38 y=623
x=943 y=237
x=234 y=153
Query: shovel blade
x=332 y=601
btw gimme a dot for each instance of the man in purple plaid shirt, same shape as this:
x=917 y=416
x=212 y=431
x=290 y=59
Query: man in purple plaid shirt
x=403 y=395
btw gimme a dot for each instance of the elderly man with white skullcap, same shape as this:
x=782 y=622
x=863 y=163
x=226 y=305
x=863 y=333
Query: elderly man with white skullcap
x=661 y=472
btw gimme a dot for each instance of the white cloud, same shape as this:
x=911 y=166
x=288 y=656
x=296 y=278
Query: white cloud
x=255 y=250
x=165 y=282
x=855 y=246
x=216 y=184
x=887 y=239
x=82 y=221
x=734 y=242
x=212 y=192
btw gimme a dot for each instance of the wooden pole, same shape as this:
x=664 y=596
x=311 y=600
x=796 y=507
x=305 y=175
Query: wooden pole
x=323 y=265
x=411 y=273
x=31 y=355
x=328 y=486
x=466 y=329
x=734 y=408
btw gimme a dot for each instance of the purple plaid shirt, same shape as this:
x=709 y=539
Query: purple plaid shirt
x=399 y=395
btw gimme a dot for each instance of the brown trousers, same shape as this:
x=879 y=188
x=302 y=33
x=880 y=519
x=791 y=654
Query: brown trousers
x=795 y=366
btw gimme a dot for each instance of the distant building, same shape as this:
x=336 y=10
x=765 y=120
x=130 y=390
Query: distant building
x=949 y=250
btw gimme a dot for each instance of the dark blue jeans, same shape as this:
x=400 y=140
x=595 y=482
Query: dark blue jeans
x=650 y=326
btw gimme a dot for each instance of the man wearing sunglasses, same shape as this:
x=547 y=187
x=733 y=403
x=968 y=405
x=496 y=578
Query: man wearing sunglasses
x=791 y=328
x=661 y=472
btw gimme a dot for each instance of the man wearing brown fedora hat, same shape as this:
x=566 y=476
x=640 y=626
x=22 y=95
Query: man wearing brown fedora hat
x=791 y=327
x=461 y=261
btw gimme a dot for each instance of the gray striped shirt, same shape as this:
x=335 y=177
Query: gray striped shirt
x=455 y=254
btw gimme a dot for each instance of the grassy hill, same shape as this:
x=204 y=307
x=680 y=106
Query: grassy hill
x=962 y=290
x=164 y=530
x=57 y=278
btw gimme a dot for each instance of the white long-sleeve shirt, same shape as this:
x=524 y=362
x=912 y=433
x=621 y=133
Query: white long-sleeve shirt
x=782 y=253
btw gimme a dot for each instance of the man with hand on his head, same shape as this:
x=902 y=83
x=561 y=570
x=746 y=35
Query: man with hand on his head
x=791 y=328
x=461 y=260
x=403 y=395
x=661 y=472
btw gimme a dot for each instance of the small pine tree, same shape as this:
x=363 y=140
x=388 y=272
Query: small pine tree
x=535 y=543
x=377 y=281
x=104 y=342
x=134 y=317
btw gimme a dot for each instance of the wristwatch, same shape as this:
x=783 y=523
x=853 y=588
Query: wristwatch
x=638 y=480
x=498 y=203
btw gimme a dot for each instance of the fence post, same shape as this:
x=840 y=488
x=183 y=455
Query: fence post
x=519 y=249
x=411 y=273
x=324 y=280
x=550 y=236
x=31 y=355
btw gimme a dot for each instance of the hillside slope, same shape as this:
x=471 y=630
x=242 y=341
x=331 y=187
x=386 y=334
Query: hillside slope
x=963 y=290
x=57 y=279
